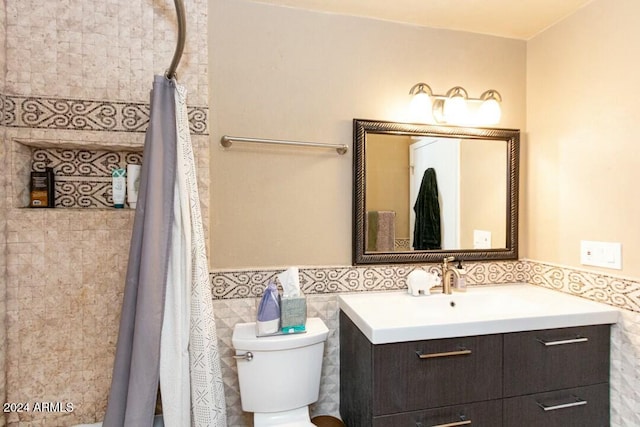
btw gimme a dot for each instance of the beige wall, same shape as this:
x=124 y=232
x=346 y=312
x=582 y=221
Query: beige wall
x=290 y=74
x=582 y=116
x=483 y=191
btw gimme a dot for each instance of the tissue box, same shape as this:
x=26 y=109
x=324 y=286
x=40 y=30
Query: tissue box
x=293 y=314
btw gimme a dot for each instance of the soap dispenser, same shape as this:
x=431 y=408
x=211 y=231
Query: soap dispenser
x=460 y=279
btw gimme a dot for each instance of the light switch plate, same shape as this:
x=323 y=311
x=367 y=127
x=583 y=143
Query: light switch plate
x=601 y=254
x=481 y=239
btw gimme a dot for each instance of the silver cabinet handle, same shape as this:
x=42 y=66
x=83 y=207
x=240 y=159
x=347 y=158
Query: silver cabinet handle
x=576 y=402
x=456 y=424
x=460 y=352
x=562 y=342
x=248 y=356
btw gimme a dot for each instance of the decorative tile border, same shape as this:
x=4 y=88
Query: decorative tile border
x=83 y=177
x=618 y=292
x=88 y=115
x=83 y=163
x=250 y=283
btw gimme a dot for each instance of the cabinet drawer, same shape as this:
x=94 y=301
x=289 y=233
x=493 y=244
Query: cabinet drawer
x=428 y=374
x=487 y=414
x=578 y=407
x=546 y=360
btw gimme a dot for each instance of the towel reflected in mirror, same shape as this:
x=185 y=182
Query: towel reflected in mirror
x=426 y=232
x=381 y=231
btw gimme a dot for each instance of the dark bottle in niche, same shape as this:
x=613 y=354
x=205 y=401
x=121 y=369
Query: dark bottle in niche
x=42 y=188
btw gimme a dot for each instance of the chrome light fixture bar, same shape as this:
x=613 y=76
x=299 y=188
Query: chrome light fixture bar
x=453 y=107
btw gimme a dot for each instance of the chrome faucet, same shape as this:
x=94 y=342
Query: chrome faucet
x=448 y=273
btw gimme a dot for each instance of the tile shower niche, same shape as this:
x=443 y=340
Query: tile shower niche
x=82 y=173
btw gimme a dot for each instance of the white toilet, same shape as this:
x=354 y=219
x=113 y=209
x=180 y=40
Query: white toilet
x=279 y=375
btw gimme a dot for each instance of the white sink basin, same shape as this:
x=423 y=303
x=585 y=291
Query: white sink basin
x=386 y=317
x=469 y=305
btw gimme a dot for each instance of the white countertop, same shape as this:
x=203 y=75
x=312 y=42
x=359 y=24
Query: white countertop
x=396 y=316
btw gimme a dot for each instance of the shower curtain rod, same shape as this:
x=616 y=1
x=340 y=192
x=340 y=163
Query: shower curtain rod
x=182 y=32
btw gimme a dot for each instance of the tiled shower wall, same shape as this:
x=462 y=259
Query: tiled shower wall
x=78 y=76
x=3 y=192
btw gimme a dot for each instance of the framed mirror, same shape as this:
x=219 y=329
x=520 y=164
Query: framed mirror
x=424 y=192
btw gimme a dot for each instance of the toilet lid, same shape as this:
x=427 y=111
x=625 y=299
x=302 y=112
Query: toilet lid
x=244 y=337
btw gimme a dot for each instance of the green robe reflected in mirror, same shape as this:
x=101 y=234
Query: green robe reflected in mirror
x=426 y=232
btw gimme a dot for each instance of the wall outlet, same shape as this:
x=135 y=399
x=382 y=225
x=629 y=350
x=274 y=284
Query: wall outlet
x=601 y=254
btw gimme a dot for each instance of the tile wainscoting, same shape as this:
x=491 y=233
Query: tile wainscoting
x=236 y=291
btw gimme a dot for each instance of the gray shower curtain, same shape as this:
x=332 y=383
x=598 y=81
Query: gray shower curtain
x=134 y=383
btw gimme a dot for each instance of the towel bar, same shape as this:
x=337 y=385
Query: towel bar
x=227 y=141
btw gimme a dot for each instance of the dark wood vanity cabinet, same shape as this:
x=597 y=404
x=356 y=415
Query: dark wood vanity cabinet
x=479 y=414
x=557 y=377
x=537 y=378
x=432 y=380
x=591 y=408
x=536 y=361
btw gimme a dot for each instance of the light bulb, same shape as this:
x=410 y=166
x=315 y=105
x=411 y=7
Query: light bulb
x=455 y=109
x=421 y=107
x=490 y=112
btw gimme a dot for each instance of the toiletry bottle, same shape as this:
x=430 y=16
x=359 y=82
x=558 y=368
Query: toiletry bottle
x=133 y=183
x=119 y=187
x=42 y=189
x=460 y=280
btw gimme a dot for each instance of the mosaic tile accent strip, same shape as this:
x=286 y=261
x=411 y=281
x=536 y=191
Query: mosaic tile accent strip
x=83 y=177
x=618 y=292
x=601 y=287
x=87 y=115
x=250 y=283
x=73 y=163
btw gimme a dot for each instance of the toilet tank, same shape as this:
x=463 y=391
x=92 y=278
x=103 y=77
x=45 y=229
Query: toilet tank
x=284 y=372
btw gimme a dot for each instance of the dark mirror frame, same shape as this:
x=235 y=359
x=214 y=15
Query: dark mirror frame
x=363 y=127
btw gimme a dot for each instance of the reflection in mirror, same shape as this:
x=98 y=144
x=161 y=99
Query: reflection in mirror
x=468 y=182
x=423 y=192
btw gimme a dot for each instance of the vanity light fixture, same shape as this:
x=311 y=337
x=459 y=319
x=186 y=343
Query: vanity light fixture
x=454 y=106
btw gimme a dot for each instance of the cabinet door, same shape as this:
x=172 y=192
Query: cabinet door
x=429 y=374
x=488 y=414
x=577 y=407
x=554 y=359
